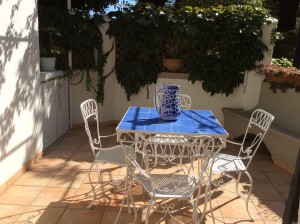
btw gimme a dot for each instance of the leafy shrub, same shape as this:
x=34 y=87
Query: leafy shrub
x=220 y=43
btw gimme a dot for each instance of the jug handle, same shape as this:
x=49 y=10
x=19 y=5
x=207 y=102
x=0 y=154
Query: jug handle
x=157 y=86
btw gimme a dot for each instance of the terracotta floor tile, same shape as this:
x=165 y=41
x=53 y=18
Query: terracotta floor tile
x=265 y=192
x=258 y=177
x=284 y=190
x=273 y=222
x=123 y=171
x=56 y=190
x=279 y=177
x=105 y=183
x=228 y=190
x=62 y=154
x=41 y=215
x=68 y=179
x=73 y=140
x=80 y=216
x=270 y=210
x=22 y=195
x=83 y=156
x=266 y=166
x=76 y=132
x=83 y=198
x=236 y=209
x=67 y=145
x=141 y=216
x=35 y=178
x=110 y=217
x=48 y=164
x=209 y=220
x=10 y=213
x=253 y=167
x=54 y=197
x=79 y=161
x=85 y=147
x=215 y=208
x=236 y=221
x=115 y=202
x=106 y=169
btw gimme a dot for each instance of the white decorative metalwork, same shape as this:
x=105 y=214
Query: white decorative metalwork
x=113 y=154
x=187 y=160
x=259 y=124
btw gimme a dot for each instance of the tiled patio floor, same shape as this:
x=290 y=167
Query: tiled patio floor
x=56 y=190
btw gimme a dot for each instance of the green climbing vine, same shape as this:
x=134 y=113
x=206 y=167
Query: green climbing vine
x=218 y=43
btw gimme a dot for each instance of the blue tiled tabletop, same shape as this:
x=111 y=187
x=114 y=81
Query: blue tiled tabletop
x=190 y=122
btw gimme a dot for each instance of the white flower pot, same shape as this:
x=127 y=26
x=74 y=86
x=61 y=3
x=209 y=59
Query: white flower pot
x=47 y=64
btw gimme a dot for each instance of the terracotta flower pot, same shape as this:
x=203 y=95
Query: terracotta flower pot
x=173 y=64
x=274 y=79
x=290 y=80
x=297 y=80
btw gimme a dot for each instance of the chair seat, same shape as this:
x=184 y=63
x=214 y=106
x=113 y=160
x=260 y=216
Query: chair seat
x=167 y=187
x=228 y=163
x=113 y=154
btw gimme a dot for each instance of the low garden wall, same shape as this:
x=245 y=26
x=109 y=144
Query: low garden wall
x=283 y=138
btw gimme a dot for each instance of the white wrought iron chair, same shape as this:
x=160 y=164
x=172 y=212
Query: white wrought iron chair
x=114 y=154
x=180 y=174
x=258 y=125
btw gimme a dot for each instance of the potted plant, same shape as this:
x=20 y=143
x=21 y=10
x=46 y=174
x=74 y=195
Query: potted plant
x=49 y=47
x=172 y=55
x=281 y=73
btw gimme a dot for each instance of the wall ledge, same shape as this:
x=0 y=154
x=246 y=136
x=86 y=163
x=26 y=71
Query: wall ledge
x=171 y=75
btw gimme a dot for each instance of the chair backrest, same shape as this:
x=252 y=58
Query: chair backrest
x=185 y=101
x=177 y=158
x=89 y=111
x=259 y=123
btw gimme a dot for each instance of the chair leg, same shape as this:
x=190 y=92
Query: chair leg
x=195 y=213
x=93 y=187
x=148 y=211
x=126 y=194
x=237 y=185
x=207 y=198
x=248 y=197
x=132 y=201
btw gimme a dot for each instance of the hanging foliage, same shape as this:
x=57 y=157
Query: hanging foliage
x=218 y=43
x=79 y=32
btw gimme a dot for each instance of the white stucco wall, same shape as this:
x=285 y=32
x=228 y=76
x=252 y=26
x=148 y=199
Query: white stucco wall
x=20 y=113
x=20 y=91
x=116 y=104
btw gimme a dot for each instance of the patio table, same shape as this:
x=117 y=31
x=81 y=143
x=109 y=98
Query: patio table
x=140 y=123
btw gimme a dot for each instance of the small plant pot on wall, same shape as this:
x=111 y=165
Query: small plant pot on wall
x=173 y=64
x=297 y=81
x=47 y=64
x=275 y=79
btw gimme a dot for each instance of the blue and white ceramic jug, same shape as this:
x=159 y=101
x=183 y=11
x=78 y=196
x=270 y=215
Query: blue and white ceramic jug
x=168 y=106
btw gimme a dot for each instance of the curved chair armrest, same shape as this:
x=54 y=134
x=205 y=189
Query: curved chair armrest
x=116 y=146
x=107 y=136
x=234 y=143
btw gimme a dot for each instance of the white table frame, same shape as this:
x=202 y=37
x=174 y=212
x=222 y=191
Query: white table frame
x=137 y=137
